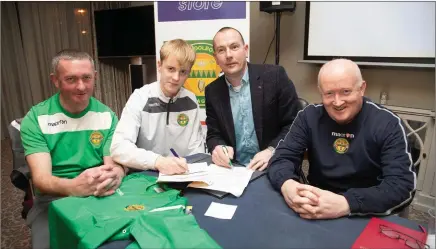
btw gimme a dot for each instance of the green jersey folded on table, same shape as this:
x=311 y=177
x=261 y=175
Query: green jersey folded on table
x=149 y=213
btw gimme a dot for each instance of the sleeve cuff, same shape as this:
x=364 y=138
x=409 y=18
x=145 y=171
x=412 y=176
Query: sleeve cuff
x=152 y=162
x=273 y=143
x=352 y=202
x=278 y=183
x=30 y=152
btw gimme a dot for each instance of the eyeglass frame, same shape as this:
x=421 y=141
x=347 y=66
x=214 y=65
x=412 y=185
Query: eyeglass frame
x=418 y=242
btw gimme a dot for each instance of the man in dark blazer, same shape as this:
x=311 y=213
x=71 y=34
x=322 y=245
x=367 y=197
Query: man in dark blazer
x=249 y=109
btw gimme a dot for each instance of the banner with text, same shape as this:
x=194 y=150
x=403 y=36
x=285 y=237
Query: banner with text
x=200 y=10
x=197 y=22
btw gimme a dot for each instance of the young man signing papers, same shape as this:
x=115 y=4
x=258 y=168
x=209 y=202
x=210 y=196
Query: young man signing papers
x=160 y=116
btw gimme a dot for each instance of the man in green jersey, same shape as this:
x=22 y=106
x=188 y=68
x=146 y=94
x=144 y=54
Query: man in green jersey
x=66 y=139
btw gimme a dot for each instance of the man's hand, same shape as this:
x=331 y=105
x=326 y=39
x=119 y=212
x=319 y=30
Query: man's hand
x=260 y=160
x=109 y=186
x=293 y=198
x=86 y=183
x=330 y=205
x=171 y=165
x=220 y=158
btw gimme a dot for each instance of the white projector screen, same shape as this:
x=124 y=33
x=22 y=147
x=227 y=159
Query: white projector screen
x=390 y=32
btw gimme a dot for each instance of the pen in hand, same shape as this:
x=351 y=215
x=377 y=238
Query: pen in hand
x=176 y=155
x=174 y=152
x=227 y=154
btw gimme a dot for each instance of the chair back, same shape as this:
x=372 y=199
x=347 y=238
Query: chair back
x=20 y=174
x=302 y=103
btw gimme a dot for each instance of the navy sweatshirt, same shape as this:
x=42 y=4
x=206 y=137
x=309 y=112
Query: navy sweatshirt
x=367 y=160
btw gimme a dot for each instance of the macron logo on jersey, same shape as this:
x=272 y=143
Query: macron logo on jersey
x=91 y=121
x=347 y=135
x=57 y=123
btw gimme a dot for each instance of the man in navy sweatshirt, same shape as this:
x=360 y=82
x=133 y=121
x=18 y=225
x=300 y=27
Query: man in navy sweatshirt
x=358 y=153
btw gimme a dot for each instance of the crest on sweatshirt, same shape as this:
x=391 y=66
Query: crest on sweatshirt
x=341 y=145
x=96 y=138
x=183 y=119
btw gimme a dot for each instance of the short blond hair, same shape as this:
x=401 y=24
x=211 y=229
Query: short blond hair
x=184 y=52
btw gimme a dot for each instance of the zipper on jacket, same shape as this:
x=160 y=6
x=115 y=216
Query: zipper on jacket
x=168 y=111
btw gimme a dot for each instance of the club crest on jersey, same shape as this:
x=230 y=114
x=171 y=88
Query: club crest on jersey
x=183 y=119
x=96 y=138
x=134 y=207
x=341 y=145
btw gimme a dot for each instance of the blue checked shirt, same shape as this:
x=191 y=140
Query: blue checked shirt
x=246 y=140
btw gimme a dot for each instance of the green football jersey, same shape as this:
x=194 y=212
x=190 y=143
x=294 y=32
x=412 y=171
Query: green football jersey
x=75 y=142
x=149 y=213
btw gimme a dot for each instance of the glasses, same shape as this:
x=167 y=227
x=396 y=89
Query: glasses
x=409 y=240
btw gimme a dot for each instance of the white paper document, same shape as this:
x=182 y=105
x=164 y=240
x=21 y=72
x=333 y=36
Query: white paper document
x=233 y=180
x=221 y=211
x=196 y=172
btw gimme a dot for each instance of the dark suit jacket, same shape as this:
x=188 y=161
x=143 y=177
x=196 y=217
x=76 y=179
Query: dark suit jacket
x=274 y=102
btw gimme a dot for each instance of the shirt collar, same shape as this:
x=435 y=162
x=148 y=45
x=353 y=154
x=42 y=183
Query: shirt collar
x=245 y=79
